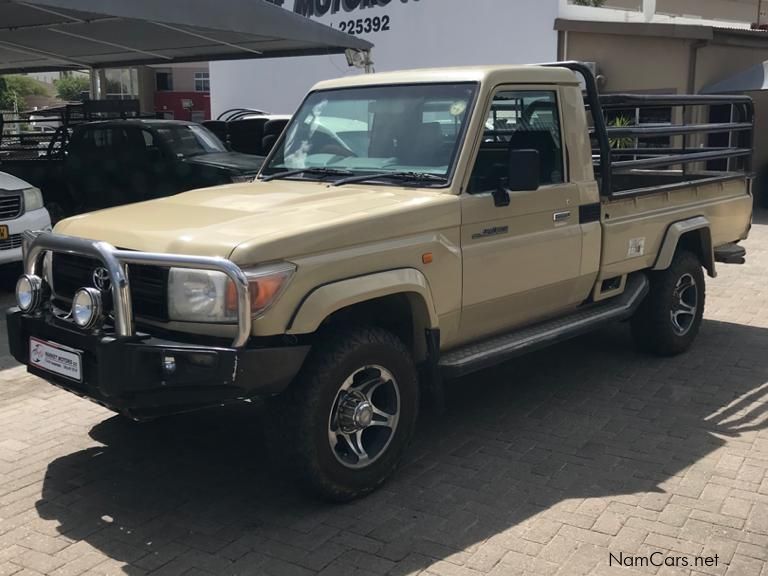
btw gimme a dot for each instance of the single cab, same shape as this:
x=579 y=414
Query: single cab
x=407 y=227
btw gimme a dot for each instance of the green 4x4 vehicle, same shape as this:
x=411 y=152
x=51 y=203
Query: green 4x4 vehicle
x=407 y=228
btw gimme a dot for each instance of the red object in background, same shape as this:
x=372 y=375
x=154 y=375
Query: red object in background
x=178 y=104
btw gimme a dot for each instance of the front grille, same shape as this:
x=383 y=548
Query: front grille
x=13 y=241
x=149 y=284
x=10 y=207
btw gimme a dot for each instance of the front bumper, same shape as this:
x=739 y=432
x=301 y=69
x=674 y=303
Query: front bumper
x=127 y=374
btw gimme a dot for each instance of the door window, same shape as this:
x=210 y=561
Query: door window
x=108 y=138
x=96 y=143
x=519 y=120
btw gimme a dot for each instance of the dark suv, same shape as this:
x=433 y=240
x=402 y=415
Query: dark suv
x=118 y=162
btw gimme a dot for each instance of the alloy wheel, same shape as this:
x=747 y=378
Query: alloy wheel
x=685 y=301
x=364 y=417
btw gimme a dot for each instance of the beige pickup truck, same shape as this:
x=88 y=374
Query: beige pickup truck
x=408 y=227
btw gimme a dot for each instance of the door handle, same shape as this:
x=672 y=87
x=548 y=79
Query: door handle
x=558 y=217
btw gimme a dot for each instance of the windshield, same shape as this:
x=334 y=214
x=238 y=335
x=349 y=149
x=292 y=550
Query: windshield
x=377 y=129
x=191 y=140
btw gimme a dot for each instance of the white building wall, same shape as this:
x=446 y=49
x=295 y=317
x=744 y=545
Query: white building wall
x=422 y=33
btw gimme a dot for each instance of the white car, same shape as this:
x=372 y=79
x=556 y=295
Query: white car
x=21 y=209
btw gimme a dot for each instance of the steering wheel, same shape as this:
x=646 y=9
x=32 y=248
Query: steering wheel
x=334 y=145
x=337 y=150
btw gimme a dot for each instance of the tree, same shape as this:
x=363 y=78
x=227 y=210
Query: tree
x=7 y=99
x=14 y=88
x=70 y=88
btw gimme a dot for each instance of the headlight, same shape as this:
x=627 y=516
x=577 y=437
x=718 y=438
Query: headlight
x=202 y=296
x=28 y=292
x=86 y=307
x=33 y=199
x=198 y=296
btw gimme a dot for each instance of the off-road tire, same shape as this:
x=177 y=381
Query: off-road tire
x=304 y=411
x=653 y=329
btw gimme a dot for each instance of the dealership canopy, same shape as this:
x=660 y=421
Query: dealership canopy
x=45 y=35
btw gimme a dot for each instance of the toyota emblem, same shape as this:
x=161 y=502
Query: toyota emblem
x=101 y=279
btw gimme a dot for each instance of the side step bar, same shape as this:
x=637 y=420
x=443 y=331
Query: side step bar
x=731 y=254
x=498 y=349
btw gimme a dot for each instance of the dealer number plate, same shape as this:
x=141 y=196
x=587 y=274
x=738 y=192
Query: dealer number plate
x=4 y=235
x=57 y=359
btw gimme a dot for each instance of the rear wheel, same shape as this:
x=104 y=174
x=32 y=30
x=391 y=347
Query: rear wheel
x=669 y=320
x=352 y=413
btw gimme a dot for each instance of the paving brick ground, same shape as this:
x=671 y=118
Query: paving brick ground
x=546 y=466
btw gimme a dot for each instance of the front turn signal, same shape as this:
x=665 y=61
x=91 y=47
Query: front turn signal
x=265 y=285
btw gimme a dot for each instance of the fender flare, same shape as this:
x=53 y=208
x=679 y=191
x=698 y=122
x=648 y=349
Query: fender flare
x=329 y=298
x=672 y=239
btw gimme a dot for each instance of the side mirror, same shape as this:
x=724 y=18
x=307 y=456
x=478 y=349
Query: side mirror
x=523 y=175
x=524 y=170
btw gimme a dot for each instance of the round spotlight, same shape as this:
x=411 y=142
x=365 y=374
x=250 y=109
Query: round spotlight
x=86 y=307
x=28 y=291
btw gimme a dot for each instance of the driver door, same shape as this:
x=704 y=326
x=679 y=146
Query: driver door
x=522 y=262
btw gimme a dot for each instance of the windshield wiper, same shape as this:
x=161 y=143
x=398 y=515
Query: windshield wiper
x=314 y=171
x=402 y=176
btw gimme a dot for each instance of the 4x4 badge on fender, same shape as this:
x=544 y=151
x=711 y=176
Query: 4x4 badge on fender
x=101 y=279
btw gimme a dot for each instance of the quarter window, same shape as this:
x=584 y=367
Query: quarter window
x=519 y=120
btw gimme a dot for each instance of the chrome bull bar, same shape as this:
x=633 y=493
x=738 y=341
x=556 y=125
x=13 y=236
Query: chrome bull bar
x=35 y=245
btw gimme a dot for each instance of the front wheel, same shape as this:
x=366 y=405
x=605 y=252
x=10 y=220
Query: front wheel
x=352 y=412
x=669 y=319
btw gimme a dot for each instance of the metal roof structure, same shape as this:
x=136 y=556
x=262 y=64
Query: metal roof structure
x=49 y=35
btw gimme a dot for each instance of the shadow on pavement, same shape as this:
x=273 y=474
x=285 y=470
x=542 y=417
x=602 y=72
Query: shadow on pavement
x=589 y=418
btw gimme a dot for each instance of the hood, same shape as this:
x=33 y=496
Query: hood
x=10 y=182
x=233 y=161
x=259 y=221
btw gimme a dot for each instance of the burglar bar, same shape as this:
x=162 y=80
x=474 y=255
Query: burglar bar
x=741 y=120
x=592 y=100
x=681 y=158
x=725 y=177
x=617 y=101
x=678 y=130
x=656 y=151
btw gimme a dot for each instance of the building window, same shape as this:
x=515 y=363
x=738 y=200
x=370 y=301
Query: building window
x=164 y=81
x=202 y=82
x=122 y=84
